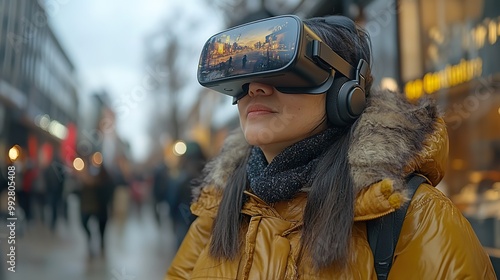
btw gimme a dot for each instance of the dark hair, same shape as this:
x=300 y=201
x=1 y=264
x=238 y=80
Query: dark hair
x=343 y=36
x=329 y=211
x=225 y=243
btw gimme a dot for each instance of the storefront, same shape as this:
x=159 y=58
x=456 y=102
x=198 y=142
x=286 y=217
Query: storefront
x=450 y=50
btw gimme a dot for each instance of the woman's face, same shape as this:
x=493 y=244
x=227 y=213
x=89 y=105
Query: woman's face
x=274 y=120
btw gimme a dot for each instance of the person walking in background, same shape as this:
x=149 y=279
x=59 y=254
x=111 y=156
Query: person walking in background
x=95 y=197
x=54 y=176
x=292 y=192
x=139 y=192
x=121 y=195
x=161 y=180
x=38 y=190
x=179 y=191
x=29 y=175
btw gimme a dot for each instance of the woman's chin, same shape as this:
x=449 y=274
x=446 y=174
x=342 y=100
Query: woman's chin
x=257 y=136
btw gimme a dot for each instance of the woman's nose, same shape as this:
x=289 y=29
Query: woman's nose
x=255 y=89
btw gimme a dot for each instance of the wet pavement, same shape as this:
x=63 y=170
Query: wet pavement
x=137 y=248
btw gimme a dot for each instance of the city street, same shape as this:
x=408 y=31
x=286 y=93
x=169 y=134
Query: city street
x=137 y=250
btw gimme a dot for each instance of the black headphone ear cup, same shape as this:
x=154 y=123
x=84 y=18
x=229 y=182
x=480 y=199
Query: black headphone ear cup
x=345 y=101
x=332 y=111
x=353 y=97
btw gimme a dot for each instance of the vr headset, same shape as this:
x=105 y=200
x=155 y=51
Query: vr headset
x=279 y=51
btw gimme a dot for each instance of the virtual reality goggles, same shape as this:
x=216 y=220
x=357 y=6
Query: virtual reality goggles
x=279 y=51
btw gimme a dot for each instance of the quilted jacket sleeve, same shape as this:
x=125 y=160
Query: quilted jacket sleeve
x=195 y=241
x=437 y=242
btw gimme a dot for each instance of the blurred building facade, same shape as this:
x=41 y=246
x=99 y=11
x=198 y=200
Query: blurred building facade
x=97 y=134
x=450 y=50
x=38 y=84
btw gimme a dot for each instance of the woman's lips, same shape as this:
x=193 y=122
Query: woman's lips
x=258 y=110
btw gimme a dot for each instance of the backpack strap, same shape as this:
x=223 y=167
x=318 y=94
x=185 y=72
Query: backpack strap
x=383 y=233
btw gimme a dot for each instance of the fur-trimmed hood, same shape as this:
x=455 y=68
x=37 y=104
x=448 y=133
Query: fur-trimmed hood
x=390 y=140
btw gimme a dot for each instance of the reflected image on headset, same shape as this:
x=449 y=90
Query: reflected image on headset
x=266 y=46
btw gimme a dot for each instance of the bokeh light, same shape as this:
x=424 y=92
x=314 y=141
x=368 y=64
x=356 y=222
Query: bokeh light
x=14 y=152
x=97 y=159
x=78 y=164
x=180 y=148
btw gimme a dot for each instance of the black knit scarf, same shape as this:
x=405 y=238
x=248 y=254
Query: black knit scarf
x=289 y=171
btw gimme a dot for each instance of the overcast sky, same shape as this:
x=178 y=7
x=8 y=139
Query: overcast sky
x=106 y=41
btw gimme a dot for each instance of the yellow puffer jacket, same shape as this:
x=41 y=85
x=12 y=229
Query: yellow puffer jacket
x=436 y=241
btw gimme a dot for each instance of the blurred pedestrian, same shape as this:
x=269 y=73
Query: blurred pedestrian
x=95 y=198
x=38 y=191
x=29 y=174
x=121 y=195
x=139 y=191
x=179 y=192
x=54 y=176
x=161 y=180
x=292 y=192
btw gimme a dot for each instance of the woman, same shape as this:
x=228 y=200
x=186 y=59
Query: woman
x=290 y=195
